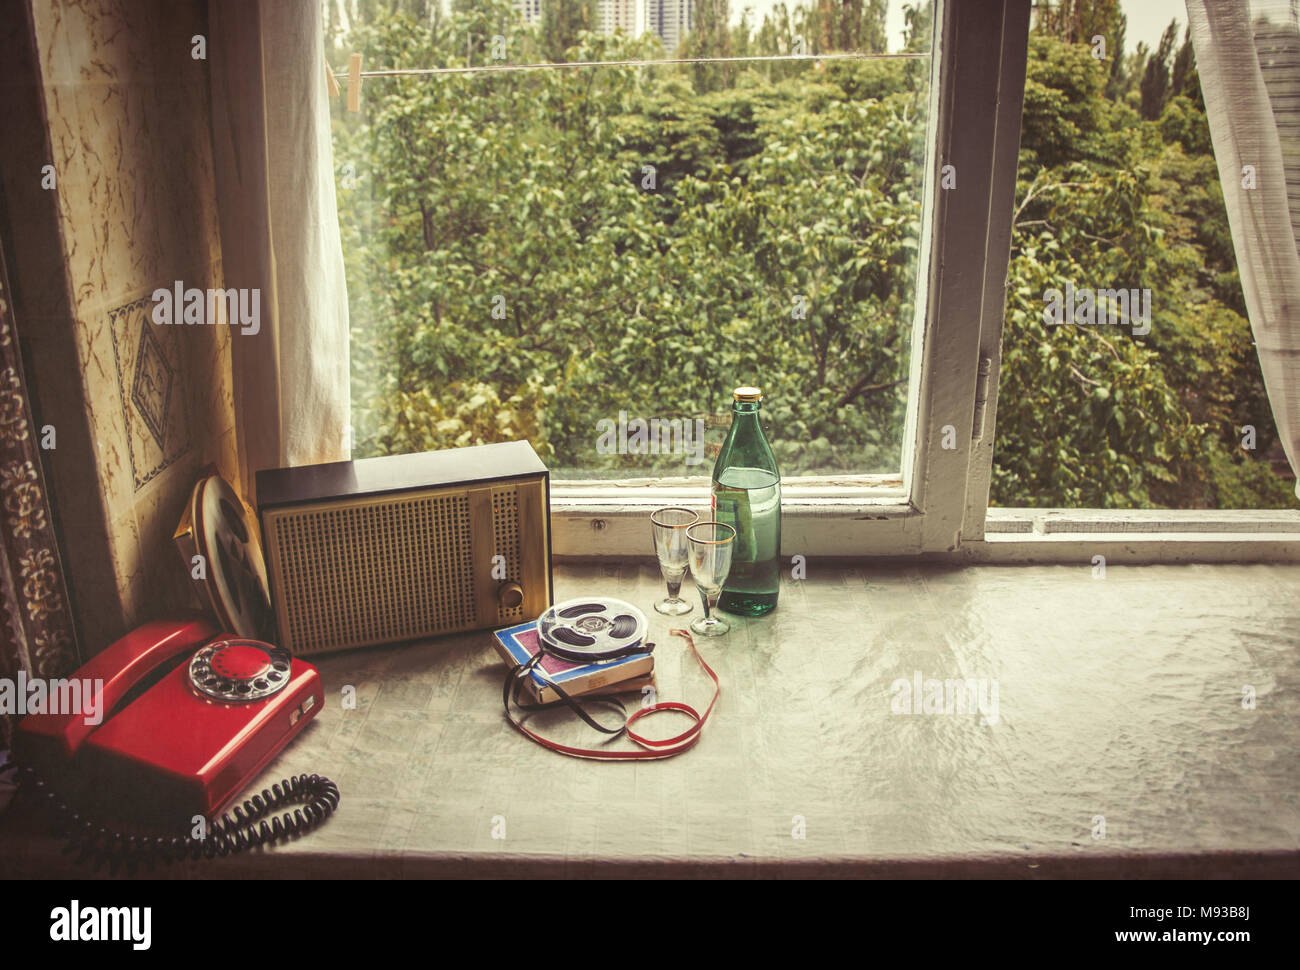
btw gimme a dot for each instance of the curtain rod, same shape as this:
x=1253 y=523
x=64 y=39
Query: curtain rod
x=486 y=68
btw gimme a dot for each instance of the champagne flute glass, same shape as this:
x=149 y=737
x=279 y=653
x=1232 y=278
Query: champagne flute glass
x=711 y=544
x=669 y=528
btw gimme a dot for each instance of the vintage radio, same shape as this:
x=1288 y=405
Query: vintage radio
x=381 y=550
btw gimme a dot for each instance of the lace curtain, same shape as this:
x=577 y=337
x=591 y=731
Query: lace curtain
x=1248 y=56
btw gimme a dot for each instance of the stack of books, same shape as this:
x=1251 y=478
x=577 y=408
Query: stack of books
x=630 y=674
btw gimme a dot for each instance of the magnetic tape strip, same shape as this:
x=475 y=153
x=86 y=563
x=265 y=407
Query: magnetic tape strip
x=592 y=630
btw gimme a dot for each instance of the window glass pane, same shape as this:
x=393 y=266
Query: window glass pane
x=1120 y=217
x=562 y=253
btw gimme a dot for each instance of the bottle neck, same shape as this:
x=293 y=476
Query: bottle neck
x=745 y=445
x=746 y=432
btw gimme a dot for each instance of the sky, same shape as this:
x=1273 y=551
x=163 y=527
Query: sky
x=1147 y=19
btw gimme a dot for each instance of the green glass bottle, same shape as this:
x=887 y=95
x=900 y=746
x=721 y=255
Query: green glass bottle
x=747 y=496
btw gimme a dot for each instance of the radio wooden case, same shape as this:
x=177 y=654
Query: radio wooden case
x=406 y=547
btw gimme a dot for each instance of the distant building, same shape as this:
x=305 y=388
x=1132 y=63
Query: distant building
x=616 y=15
x=529 y=11
x=671 y=20
x=1277 y=44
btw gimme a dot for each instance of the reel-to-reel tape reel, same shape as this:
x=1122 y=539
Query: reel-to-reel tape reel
x=231 y=581
x=593 y=629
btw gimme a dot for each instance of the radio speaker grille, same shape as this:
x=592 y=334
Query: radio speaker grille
x=383 y=571
x=505 y=527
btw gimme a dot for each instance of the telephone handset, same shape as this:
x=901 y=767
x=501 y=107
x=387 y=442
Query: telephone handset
x=175 y=720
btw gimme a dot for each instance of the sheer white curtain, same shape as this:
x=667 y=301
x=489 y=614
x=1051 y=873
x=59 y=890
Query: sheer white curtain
x=1248 y=56
x=280 y=231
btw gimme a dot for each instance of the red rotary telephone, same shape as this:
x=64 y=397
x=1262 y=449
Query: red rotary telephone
x=190 y=717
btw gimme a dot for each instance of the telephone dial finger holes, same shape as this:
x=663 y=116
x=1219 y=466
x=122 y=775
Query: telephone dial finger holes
x=239 y=670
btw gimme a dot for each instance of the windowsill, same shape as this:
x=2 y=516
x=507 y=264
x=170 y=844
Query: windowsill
x=612 y=526
x=1119 y=698
x=1138 y=536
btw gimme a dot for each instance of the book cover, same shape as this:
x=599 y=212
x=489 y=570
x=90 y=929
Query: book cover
x=516 y=644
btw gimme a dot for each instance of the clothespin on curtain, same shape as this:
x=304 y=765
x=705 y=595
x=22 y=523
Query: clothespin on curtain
x=354 y=82
x=330 y=84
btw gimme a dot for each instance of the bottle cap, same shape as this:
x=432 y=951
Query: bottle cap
x=748 y=394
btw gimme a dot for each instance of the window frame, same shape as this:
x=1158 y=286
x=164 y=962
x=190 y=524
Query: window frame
x=937 y=506
x=941 y=495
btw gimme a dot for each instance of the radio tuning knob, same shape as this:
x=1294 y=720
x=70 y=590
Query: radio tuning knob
x=510 y=595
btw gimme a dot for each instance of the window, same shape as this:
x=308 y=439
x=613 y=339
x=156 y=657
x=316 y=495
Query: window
x=775 y=231
x=626 y=221
x=1120 y=217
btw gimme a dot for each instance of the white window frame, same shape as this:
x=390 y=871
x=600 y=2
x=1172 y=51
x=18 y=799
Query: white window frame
x=938 y=507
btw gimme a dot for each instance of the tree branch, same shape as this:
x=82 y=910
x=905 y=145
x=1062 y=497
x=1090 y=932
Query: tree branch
x=861 y=389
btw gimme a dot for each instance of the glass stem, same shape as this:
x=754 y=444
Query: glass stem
x=710 y=601
x=673 y=589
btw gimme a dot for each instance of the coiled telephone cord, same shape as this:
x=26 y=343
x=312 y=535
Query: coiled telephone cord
x=246 y=826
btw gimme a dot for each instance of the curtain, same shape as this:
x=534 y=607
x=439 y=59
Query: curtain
x=1248 y=56
x=37 y=633
x=274 y=173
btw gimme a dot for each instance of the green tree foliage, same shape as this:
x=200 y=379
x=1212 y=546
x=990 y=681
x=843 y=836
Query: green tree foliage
x=563 y=21
x=918 y=20
x=1094 y=416
x=710 y=38
x=1155 y=78
x=847 y=25
x=1082 y=22
x=1183 y=78
x=1079 y=21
